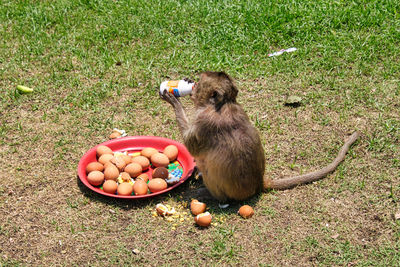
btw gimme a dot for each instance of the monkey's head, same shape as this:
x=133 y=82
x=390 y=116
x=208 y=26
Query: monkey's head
x=214 y=88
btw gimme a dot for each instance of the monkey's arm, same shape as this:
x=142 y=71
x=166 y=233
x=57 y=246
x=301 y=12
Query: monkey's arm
x=179 y=111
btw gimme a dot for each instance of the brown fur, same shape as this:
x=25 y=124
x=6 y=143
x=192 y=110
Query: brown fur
x=226 y=146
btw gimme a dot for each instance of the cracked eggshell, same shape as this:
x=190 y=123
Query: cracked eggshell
x=161 y=209
x=128 y=159
x=125 y=177
x=246 y=211
x=197 y=207
x=114 y=135
x=203 y=219
x=119 y=162
x=143 y=177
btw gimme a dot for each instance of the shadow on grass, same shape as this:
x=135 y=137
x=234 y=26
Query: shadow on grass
x=185 y=192
x=128 y=204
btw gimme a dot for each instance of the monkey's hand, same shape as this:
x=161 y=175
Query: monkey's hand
x=179 y=111
x=170 y=98
x=188 y=80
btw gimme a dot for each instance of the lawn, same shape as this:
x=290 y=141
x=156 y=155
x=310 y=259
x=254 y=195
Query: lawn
x=96 y=65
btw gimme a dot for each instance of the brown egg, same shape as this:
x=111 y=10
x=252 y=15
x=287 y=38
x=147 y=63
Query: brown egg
x=119 y=162
x=110 y=186
x=108 y=163
x=125 y=177
x=95 y=178
x=105 y=158
x=115 y=135
x=134 y=169
x=246 y=211
x=125 y=189
x=157 y=185
x=160 y=172
x=94 y=166
x=144 y=177
x=142 y=161
x=159 y=160
x=171 y=152
x=111 y=173
x=128 y=159
x=197 y=207
x=148 y=152
x=203 y=219
x=140 y=187
x=101 y=150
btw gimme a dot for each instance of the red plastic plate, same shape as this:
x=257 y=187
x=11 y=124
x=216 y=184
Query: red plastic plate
x=136 y=144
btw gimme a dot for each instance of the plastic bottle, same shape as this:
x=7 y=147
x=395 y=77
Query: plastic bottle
x=177 y=88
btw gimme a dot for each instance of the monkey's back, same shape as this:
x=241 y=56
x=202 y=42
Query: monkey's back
x=232 y=159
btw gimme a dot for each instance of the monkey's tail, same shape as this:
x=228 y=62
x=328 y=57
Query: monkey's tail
x=291 y=182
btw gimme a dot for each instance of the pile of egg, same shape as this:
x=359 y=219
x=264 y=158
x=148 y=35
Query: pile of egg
x=125 y=173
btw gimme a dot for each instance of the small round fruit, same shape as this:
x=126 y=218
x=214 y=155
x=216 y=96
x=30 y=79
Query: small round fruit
x=101 y=150
x=203 y=219
x=148 y=152
x=111 y=173
x=142 y=161
x=140 y=187
x=160 y=172
x=246 y=211
x=95 y=178
x=143 y=177
x=134 y=169
x=94 y=166
x=110 y=186
x=125 y=189
x=105 y=158
x=159 y=160
x=197 y=207
x=157 y=185
x=171 y=152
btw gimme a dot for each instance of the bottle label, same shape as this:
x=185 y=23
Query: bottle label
x=173 y=87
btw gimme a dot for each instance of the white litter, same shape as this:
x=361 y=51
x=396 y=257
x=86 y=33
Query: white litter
x=280 y=52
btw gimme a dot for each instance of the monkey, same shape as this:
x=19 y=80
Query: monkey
x=225 y=145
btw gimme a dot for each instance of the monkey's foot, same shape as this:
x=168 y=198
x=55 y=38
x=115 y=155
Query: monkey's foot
x=202 y=194
x=198 y=175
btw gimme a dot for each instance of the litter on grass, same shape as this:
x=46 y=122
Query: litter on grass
x=280 y=52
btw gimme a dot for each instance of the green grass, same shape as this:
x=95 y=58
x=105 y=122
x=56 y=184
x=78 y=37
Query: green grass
x=96 y=65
